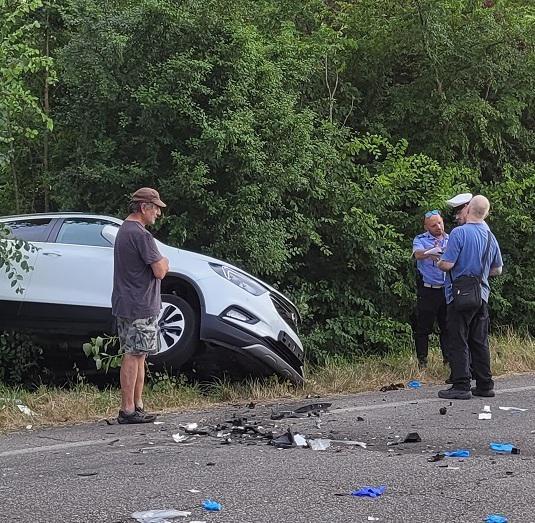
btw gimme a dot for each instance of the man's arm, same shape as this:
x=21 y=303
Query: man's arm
x=445 y=266
x=160 y=268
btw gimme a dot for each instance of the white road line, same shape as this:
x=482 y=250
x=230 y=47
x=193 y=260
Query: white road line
x=420 y=401
x=60 y=446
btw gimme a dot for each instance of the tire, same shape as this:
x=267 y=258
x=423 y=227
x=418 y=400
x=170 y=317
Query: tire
x=179 y=333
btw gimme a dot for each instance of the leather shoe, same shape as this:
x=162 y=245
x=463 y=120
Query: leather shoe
x=489 y=393
x=454 y=394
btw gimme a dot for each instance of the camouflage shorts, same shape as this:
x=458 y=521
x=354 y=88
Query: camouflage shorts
x=139 y=337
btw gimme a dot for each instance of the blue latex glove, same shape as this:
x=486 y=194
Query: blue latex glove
x=461 y=453
x=369 y=492
x=212 y=506
x=502 y=447
x=496 y=518
x=414 y=384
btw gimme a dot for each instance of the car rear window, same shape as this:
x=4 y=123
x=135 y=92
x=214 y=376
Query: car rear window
x=83 y=231
x=34 y=230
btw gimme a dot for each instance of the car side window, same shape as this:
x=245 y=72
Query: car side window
x=84 y=231
x=32 y=230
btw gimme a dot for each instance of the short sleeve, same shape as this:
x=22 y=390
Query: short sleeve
x=147 y=249
x=417 y=244
x=497 y=259
x=453 y=247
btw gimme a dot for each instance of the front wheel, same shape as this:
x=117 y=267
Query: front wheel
x=178 y=332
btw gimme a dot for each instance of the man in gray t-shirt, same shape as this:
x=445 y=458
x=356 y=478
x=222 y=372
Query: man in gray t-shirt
x=139 y=267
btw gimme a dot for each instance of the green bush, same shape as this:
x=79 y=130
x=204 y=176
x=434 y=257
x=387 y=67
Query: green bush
x=20 y=358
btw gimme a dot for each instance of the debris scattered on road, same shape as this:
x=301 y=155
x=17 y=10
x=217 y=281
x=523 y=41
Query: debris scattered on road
x=459 y=453
x=284 y=441
x=194 y=491
x=514 y=409
x=300 y=441
x=504 y=448
x=414 y=384
x=392 y=386
x=159 y=516
x=371 y=518
x=439 y=456
x=443 y=410
x=485 y=415
x=189 y=426
x=159 y=422
x=369 y=492
x=86 y=474
x=312 y=409
x=412 y=437
x=319 y=444
x=496 y=518
x=179 y=438
x=25 y=410
x=211 y=506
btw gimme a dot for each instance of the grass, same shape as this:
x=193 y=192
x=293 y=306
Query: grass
x=510 y=352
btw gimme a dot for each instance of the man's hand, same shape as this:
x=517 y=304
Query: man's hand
x=160 y=268
x=445 y=266
x=495 y=271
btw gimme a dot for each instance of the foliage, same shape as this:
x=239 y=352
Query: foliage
x=302 y=141
x=20 y=358
x=98 y=348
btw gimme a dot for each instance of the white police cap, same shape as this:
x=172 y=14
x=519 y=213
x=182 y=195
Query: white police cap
x=460 y=199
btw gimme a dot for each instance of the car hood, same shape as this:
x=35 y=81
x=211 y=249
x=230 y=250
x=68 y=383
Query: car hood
x=180 y=260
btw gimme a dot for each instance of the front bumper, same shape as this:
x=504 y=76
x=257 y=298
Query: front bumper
x=281 y=356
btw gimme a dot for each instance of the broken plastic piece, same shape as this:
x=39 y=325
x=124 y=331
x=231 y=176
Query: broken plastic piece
x=284 y=441
x=506 y=448
x=300 y=441
x=179 y=438
x=513 y=408
x=496 y=518
x=443 y=410
x=485 y=415
x=370 y=492
x=312 y=407
x=414 y=384
x=159 y=516
x=439 y=456
x=392 y=386
x=319 y=444
x=371 y=518
x=486 y=408
x=212 y=506
x=189 y=426
x=412 y=437
x=460 y=453
x=25 y=410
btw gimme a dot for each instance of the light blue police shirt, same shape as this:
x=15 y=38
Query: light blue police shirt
x=431 y=274
x=466 y=248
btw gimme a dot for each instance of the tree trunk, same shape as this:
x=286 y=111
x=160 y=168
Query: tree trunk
x=46 y=106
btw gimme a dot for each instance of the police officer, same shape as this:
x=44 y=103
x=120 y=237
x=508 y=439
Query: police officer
x=430 y=303
x=459 y=204
x=466 y=255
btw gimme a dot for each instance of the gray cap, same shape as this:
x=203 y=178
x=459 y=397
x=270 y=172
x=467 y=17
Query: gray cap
x=459 y=200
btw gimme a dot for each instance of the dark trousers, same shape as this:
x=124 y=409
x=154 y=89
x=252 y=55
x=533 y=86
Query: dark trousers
x=430 y=307
x=468 y=346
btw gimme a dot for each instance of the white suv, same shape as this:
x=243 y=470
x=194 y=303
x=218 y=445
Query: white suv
x=204 y=299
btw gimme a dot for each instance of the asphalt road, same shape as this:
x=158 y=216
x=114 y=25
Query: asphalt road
x=104 y=473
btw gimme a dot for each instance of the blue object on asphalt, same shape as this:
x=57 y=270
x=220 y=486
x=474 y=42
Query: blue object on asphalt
x=460 y=453
x=369 y=492
x=414 y=384
x=496 y=518
x=502 y=447
x=212 y=506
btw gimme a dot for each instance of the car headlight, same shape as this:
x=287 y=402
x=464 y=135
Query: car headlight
x=239 y=279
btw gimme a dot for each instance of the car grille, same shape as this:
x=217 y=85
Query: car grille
x=286 y=311
x=281 y=350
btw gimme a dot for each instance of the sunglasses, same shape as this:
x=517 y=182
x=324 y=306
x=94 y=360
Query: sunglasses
x=428 y=214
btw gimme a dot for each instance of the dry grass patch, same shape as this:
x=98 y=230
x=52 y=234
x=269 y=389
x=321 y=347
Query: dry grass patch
x=511 y=353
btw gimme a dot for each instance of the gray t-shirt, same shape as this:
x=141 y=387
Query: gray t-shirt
x=136 y=291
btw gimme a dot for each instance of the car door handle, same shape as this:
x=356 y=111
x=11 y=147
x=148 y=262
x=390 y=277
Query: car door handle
x=52 y=253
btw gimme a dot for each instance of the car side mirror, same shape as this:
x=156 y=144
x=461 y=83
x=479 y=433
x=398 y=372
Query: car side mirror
x=109 y=232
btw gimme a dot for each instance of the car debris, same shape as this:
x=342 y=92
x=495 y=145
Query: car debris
x=514 y=409
x=459 y=453
x=414 y=384
x=443 y=411
x=392 y=386
x=159 y=516
x=412 y=437
x=313 y=409
x=319 y=444
x=211 y=505
x=504 y=448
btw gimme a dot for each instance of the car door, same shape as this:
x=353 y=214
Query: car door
x=35 y=231
x=73 y=276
